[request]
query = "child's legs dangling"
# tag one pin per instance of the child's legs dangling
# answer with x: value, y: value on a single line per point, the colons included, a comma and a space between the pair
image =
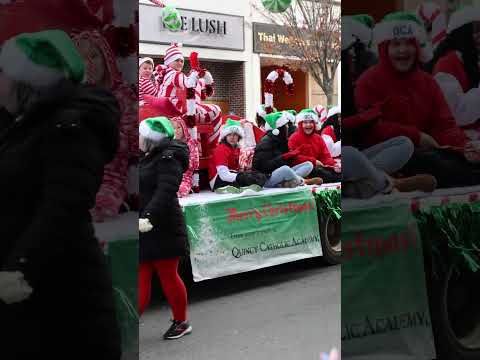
x: 173, y: 287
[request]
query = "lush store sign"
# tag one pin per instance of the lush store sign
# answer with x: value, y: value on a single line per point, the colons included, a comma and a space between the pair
x: 199, y: 29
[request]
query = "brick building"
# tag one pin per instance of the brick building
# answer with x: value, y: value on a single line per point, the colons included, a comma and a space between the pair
x: 222, y: 32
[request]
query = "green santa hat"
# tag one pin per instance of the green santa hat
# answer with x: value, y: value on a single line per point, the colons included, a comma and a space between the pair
x: 42, y: 58
x: 357, y: 28
x: 403, y: 25
x: 231, y: 127
x: 307, y: 114
x: 156, y: 128
x: 261, y: 111
x: 462, y: 16
x: 276, y: 120
x: 362, y: 28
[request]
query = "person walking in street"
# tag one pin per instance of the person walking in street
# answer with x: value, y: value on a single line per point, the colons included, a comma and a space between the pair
x: 163, y: 234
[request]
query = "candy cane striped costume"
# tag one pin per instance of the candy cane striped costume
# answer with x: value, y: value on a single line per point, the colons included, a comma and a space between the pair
x: 147, y: 87
x: 174, y: 87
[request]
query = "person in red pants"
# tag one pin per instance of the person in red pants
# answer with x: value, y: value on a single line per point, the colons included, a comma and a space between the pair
x: 163, y: 235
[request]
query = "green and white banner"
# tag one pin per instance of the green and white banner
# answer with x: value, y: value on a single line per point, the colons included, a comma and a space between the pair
x: 385, y: 312
x: 230, y: 237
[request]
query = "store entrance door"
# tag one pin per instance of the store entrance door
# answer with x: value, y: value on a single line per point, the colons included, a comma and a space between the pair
x: 283, y: 101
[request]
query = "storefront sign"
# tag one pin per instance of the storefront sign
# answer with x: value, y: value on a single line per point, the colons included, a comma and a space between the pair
x: 271, y: 39
x: 230, y: 237
x: 199, y: 29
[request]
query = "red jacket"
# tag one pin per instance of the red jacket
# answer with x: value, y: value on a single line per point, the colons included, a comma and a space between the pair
x: 223, y: 155
x: 312, y: 146
x: 411, y: 103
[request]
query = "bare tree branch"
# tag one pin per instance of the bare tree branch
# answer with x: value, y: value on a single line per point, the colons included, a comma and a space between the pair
x: 314, y: 27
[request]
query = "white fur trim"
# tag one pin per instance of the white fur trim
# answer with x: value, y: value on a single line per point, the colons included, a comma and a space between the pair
x: 191, y: 105
x: 268, y: 100
x: 290, y: 116
x: 307, y: 116
x: 465, y: 107
x: 17, y: 66
x: 227, y: 130
x: 334, y: 111
x: 208, y: 78
x: 360, y: 31
x: 142, y: 61
x: 287, y: 78
x: 464, y: 16
x: 261, y: 111
x: 273, y: 76
x: 399, y: 29
x: 280, y: 122
x: 150, y: 134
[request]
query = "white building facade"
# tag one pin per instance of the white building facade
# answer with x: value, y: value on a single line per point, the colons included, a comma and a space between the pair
x: 225, y: 35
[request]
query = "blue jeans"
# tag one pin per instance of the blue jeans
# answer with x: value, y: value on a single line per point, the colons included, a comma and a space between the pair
x: 391, y: 155
x: 287, y: 173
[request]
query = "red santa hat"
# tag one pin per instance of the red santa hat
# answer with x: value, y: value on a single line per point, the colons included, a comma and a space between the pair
x: 173, y: 53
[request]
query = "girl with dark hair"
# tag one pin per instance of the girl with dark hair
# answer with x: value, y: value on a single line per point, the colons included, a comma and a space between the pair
x: 366, y: 173
x: 224, y: 168
x: 457, y: 71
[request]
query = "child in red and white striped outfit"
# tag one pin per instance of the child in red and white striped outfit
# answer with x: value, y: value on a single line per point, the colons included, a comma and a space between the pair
x: 176, y: 84
x: 147, y: 83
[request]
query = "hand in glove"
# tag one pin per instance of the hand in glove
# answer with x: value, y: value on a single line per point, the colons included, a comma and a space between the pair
x: 291, y: 154
x: 144, y: 225
x: 13, y: 287
x: 208, y: 78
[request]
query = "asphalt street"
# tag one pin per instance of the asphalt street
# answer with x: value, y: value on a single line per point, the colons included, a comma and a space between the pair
x: 286, y: 312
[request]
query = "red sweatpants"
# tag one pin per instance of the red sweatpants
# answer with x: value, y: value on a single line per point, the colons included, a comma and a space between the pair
x: 172, y: 285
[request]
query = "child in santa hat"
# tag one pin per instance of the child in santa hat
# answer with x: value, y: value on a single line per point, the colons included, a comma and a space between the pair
x: 368, y: 172
x: 312, y: 148
x: 456, y: 69
x: 147, y: 83
x: 412, y: 104
x: 283, y: 167
x: 224, y: 168
x: 186, y: 92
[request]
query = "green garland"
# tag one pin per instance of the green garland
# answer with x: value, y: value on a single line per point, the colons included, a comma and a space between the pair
x: 329, y: 203
x: 453, y: 230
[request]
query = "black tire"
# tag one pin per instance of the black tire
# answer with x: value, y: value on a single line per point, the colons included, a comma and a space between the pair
x: 330, y: 233
x: 455, y: 311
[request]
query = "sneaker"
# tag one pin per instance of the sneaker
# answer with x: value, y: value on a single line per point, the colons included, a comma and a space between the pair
x: 177, y: 330
x: 425, y: 183
x: 229, y: 189
x: 253, y: 187
x: 290, y: 183
x: 314, y: 181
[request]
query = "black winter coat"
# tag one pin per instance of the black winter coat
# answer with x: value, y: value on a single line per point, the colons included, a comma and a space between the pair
x: 161, y: 173
x: 268, y: 153
x: 51, y: 162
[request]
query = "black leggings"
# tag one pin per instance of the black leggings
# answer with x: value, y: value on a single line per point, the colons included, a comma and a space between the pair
x: 451, y: 169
